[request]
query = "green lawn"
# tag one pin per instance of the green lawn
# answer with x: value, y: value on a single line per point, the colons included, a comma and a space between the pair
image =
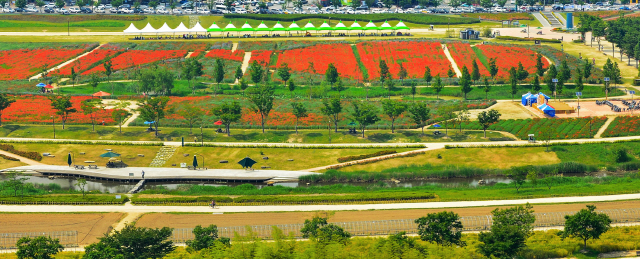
x: 83, y: 132
x: 181, y: 88
x: 503, y: 92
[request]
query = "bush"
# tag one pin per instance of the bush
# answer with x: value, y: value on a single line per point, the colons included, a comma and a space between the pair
x: 9, y: 158
x: 359, y: 157
x: 64, y: 199
x: 412, y: 18
x: 28, y: 154
x: 527, y: 39
x: 621, y: 156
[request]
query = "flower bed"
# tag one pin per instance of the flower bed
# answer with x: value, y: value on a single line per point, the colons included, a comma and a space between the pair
x: 263, y: 57
x: 508, y: 57
x: 359, y: 157
x: 90, y: 60
x: 572, y: 128
x: 237, y: 55
x: 499, y: 16
x: 133, y: 58
x: 23, y: 63
x: 341, y: 55
x: 414, y: 55
x: 37, y: 109
x: 464, y: 56
x: 623, y: 126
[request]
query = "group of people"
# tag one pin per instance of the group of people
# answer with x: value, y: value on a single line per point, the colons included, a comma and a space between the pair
x: 275, y: 35
x: 184, y: 37
x: 630, y: 106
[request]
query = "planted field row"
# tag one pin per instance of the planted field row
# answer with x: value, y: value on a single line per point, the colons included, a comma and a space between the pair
x: 571, y: 128
x: 623, y: 126
x: 91, y: 199
x: 23, y: 63
x: 37, y: 109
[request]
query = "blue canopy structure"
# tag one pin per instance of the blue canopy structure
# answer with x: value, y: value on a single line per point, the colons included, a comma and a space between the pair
x: 41, y: 85
x: 545, y: 96
x: 149, y: 122
x: 525, y: 98
x: 548, y: 110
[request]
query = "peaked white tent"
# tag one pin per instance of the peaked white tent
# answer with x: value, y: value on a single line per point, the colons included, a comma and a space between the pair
x: 247, y: 27
x: 386, y: 26
x: 401, y: 26
x: 263, y: 27
x: 310, y: 27
x: 278, y: 27
x: 230, y: 27
x: 197, y: 28
x: 164, y: 29
x: 148, y: 29
x: 131, y: 29
x: 214, y: 27
x: 181, y: 28
x: 340, y: 26
x: 355, y: 26
x: 370, y: 26
x: 293, y: 27
x: 325, y: 27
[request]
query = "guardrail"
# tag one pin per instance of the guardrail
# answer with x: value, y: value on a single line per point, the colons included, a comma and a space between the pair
x: 66, y: 238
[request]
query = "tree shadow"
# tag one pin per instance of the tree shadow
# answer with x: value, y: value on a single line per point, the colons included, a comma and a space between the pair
x: 245, y: 137
x: 380, y: 137
x: 314, y: 135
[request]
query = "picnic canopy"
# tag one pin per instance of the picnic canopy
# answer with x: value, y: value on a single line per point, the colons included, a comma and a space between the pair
x: 131, y: 29
x: 214, y: 27
x: 340, y: 27
x: 386, y: 26
x: 401, y: 26
x: 48, y: 86
x: 354, y: 26
x: 325, y: 27
x: 246, y: 27
x: 110, y: 154
x: 41, y: 85
x: 547, y: 109
x: 293, y: 27
x: 278, y: 27
x: 101, y: 93
x: 230, y: 27
x: 197, y: 28
x: 148, y: 29
x: 181, y: 28
x: 164, y: 28
x: 247, y: 162
x: 370, y: 26
x: 263, y: 27
x: 309, y: 27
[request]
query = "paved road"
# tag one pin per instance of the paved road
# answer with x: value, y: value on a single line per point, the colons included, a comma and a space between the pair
x: 233, y: 209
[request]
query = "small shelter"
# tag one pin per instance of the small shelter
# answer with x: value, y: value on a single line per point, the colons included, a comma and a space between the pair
x: 293, y: 27
x: 101, y: 94
x: 131, y: 29
x: 214, y: 28
x: 469, y: 34
x: 164, y: 29
x: 325, y: 27
x: 278, y: 27
x: 340, y: 27
x: 247, y: 162
x: 547, y: 109
x: 198, y: 28
x: 309, y: 27
x: 355, y: 26
x: 230, y: 27
x: 181, y: 28
x: 148, y: 29
x: 247, y: 27
x: 110, y: 154
x: 386, y: 26
x: 263, y: 27
x: 401, y: 26
x: 370, y: 26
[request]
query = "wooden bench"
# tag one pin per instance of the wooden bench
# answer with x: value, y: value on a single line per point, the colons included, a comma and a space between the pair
x: 265, y: 167
x: 191, y: 168
x: 223, y: 161
x: 93, y: 166
x: 80, y: 167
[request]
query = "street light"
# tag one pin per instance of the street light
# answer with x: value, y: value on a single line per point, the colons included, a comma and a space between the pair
x: 196, y: 154
x: 201, y: 137
x: 555, y: 88
x: 606, y: 88
x: 53, y: 120
x: 578, y: 94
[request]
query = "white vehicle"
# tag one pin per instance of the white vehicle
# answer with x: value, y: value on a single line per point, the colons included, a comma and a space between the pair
x: 189, y: 11
x: 239, y: 10
x: 8, y: 10
x: 202, y: 10
x: 362, y: 12
x: 125, y: 10
x: 108, y: 6
x: 31, y: 10
x: 100, y: 10
x: 113, y: 10
x: 149, y: 10
x: 162, y: 11
x: 50, y: 5
x: 176, y: 11
x: 64, y: 11
x: 74, y: 10
x: 498, y: 9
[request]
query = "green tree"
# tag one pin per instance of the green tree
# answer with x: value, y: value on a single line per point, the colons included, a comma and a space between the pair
x: 487, y: 88
x: 5, y: 102
x: 191, y: 114
x: 420, y: 114
x: 39, y: 3
x: 332, y: 109
x: 256, y: 72
x: 448, y: 115
x: 565, y: 72
x: 384, y: 71
x: 91, y: 107
x: 414, y: 90
x: 21, y: 3
x: 205, y: 238
x: 443, y: 228
x: 437, y: 86
x: 450, y: 73
x: 427, y: 75
x: 63, y: 106
x: 243, y: 85
x: 118, y: 113
x: 393, y: 109
x: 40, y: 247
x: 132, y: 243
x: 331, y: 74
x: 292, y: 86
x: 511, y: 228
x: 486, y: 119
x: 299, y: 111
x: 154, y: 109
x: 284, y: 72
x: 94, y: 81
x: 513, y: 80
x: 156, y: 80
x: 191, y: 69
x: 586, y: 69
x: 262, y: 99
x: 402, y: 73
x: 475, y: 72
x: 108, y: 70
x: 322, y: 232
x: 578, y: 81
x: 521, y: 72
x: 390, y: 87
x: 218, y: 74
x: 365, y: 114
x: 551, y: 74
x: 493, y: 68
x: 536, y: 84
x: 239, y: 73
x: 518, y: 175
x: 81, y: 183
x: 539, y: 65
x: 74, y: 76
x: 228, y: 112
x: 15, y: 181
x: 465, y: 82
x: 586, y: 224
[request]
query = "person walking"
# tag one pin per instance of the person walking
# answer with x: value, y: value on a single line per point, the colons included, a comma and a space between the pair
x: 213, y: 204
x: 142, y: 174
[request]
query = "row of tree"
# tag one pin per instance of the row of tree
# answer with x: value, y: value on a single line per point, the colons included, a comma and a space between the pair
x: 507, y: 237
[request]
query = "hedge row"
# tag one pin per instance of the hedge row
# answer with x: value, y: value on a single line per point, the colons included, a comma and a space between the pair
x: 412, y: 18
x: 527, y: 39
x: 28, y: 154
x: 63, y: 199
x: 291, y: 199
x: 365, y: 156
x: 84, y: 142
x: 9, y: 158
x: 298, y: 146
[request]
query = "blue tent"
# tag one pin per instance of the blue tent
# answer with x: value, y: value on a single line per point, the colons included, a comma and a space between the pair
x: 525, y: 98
x: 548, y: 110
x: 41, y: 85
x: 545, y: 96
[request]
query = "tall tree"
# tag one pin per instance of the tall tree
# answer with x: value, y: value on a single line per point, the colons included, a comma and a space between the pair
x: 578, y: 80
x: 239, y: 73
x: 586, y: 69
x: 393, y: 109
x: 108, y: 71
x: 521, y: 72
x: 465, y: 82
x: 427, y: 75
x: 493, y: 68
x: 536, y: 84
x: 565, y: 71
x: 228, y: 112
x: 486, y: 119
x: 332, y: 109
x: 291, y: 86
x: 284, y: 72
x: 156, y: 80
x: 420, y: 114
x: 205, y: 238
x: 511, y: 227
x: 365, y: 114
x: 384, y: 71
x: 94, y: 81
x: 475, y: 72
x: 74, y: 76
x: 256, y: 72
x: 91, y: 107
x: 539, y: 65
x: 63, y: 106
x: 218, y: 74
x: 414, y: 90
x: 191, y: 69
x: 299, y: 111
x: 154, y: 109
x: 331, y: 74
x: 402, y: 73
x: 437, y: 86
x: 41, y: 247
x: 191, y: 114
x: 486, y: 88
x: 513, y: 80
x: 443, y: 228
x: 450, y: 73
x: 5, y: 102
x: 586, y: 224
x: 262, y: 99
x: 132, y: 243
x: 118, y: 113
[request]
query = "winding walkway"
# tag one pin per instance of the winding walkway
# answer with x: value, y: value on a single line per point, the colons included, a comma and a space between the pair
x: 453, y: 62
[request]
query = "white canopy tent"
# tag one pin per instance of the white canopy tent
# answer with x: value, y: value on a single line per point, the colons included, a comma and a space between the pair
x: 214, y: 27
x: 386, y: 26
x: 131, y: 29
x: 164, y: 29
x: 198, y: 28
x: 148, y: 29
x: 325, y: 27
x: 181, y: 28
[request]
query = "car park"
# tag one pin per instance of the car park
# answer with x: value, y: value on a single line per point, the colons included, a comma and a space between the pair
x: 85, y: 9
x: 74, y: 10
x: 8, y: 10
x: 64, y: 11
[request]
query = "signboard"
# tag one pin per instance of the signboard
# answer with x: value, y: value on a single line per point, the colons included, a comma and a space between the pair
x: 578, y: 93
x: 606, y: 79
x: 537, y: 42
x: 505, y: 22
x: 118, y: 197
x: 632, y: 92
x: 554, y: 80
x: 516, y: 23
x: 130, y: 174
x: 578, y: 107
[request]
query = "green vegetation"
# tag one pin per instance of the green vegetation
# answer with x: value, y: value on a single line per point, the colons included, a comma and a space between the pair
x: 64, y: 199
x: 545, y: 129
x: 412, y: 18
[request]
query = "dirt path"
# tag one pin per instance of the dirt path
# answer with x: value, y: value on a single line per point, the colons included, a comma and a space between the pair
x: 453, y: 62
x: 131, y: 108
x: 22, y: 159
x: 604, y: 126
x: 128, y: 219
x: 234, y: 46
x: 66, y: 63
x: 245, y: 62
x: 365, y: 160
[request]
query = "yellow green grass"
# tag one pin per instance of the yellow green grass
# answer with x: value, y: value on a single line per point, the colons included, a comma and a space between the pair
x: 129, y: 154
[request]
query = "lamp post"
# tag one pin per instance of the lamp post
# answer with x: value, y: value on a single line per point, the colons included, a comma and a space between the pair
x: 634, y: 105
x: 197, y: 154
x: 201, y: 137
x: 606, y: 88
x: 555, y: 88
x: 578, y: 94
x: 53, y: 122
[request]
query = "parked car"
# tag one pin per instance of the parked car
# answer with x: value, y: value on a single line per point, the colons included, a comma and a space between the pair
x: 113, y: 10
x: 64, y: 11
x: 32, y: 10
x: 74, y: 10
x: 162, y: 11
x: 189, y: 11
x: 85, y: 9
x: 100, y: 10
x: 8, y: 10
x: 49, y: 10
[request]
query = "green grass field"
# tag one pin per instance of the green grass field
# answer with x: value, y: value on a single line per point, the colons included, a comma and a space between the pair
x: 129, y: 154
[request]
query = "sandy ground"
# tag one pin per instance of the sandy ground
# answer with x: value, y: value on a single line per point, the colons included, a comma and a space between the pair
x: 508, y: 110
x: 546, y: 33
x: 241, y: 219
x: 90, y: 226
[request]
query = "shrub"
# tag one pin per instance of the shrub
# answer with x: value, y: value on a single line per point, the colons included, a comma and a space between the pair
x: 28, y: 154
x: 359, y: 157
x: 9, y: 158
x: 412, y: 18
x: 528, y: 39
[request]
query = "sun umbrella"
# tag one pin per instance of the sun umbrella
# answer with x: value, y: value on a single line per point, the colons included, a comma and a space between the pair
x: 437, y: 126
x: 101, y: 93
x: 149, y: 122
x: 48, y: 86
x: 69, y: 161
x: 110, y: 154
x: 247, y: 162
x: 40, y: 85
x: 352, y: 124
x: 217, y: 123
x: 195, y: 161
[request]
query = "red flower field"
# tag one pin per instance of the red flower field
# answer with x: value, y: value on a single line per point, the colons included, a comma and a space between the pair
x: 237, y: 55
x: 281, y: 119
x: 340, y: 54
x: 139, y: 57
x: 87, y: 61
x: 37, y: 109
x: 262, y: 56
x: 23, y: 63
x: 507, y: 57
x: 463, y: 55
x: 415, y: 56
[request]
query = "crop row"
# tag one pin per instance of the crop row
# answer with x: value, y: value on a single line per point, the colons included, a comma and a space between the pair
x: 571, y: 128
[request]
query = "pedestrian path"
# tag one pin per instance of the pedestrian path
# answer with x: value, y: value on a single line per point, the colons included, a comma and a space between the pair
x: 553, y: 21
x: 541, y: 19
x: 163, y: 155
x: 604, y: 126
x: 65, y: 63
x: 453, y: 62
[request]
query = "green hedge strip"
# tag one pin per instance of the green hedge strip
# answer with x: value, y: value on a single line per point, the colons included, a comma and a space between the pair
x: 411, y: 18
